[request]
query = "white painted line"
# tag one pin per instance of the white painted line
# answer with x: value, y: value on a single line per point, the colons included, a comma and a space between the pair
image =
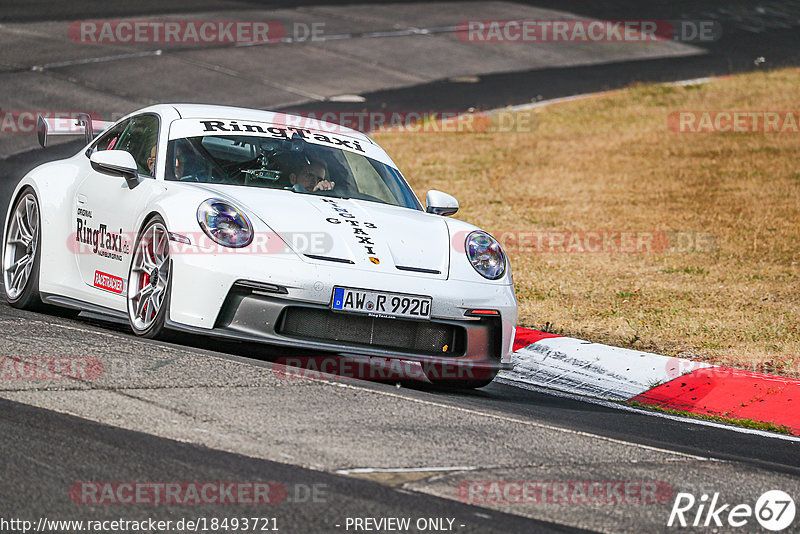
x: 584, y: 96
x: 440, y: 29
x: 561, y: 100
x: 347, y: 98
x: 389, y: 33
x: 545, y: 103
x: 693, y: 81
x: 368, y: 35
x: 286, y: 40
x: 516, y: 420
x: 652, y: 413
x: 368, y: 470
x: 101, y: 59
x: 236, y: 74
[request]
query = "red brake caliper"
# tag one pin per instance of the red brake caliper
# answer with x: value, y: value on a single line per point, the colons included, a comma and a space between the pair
x: 144, y: 279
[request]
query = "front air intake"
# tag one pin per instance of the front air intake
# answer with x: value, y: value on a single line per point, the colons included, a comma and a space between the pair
x: 419, y: 337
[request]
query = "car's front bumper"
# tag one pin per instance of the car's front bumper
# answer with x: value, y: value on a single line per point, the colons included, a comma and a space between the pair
x: 290, y: 307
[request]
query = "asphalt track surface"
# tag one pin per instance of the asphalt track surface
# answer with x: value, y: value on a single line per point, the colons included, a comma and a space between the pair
x: 301, y: 433
x: 193, y: 409
x: 57, y: 450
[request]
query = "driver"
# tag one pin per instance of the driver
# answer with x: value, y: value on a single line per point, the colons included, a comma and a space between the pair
x: 313, y: 176
x: 186, y: 166
x: 180, y: 158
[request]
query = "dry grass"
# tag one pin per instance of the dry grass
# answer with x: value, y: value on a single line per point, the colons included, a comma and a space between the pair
x: 610, y: 163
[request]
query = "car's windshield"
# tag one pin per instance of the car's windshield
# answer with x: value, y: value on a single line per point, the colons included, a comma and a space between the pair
x: 291, y: 164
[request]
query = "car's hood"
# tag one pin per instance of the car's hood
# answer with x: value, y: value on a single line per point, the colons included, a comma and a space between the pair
x: 365, y: 235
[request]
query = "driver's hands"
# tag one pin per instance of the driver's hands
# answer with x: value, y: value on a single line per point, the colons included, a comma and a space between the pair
x: 324, y: 185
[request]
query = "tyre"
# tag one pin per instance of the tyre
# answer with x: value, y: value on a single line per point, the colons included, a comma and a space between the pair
x: 149, y: 281
x: 449, y: 376
x: 22, y: 253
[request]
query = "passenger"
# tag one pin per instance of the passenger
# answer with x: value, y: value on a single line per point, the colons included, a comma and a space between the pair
x: 151, y: 162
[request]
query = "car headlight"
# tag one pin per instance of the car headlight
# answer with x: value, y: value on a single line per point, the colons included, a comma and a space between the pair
x: 224, y: 223
x: 485, y: 255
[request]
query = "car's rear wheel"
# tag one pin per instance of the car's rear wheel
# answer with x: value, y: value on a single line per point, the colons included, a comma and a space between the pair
x: 149, y: 280
x: 22, y: 254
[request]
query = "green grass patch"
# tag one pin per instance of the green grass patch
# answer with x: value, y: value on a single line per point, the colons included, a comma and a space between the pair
x: 746, y: 423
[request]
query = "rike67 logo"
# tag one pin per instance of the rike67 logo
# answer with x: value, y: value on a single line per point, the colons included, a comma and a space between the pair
x: 774, y: 510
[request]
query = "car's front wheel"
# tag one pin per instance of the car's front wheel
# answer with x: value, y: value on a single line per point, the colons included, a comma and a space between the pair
x: 449, y: 376
x: 149, y: 280
x: 22, y: 254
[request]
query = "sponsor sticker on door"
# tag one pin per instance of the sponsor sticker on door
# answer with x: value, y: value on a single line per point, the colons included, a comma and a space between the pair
x: 108, y: 282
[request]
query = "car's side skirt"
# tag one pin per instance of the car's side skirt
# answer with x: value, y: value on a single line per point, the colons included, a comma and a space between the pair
x: 75, y: 304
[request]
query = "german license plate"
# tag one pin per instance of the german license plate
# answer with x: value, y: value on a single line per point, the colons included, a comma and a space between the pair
x: 381, y: 303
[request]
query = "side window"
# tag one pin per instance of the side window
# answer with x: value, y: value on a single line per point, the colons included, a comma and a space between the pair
x: 140, y: 139
x: 109, y: 139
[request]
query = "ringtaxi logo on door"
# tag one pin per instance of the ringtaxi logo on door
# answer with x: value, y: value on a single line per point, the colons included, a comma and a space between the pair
x: 774, y: 510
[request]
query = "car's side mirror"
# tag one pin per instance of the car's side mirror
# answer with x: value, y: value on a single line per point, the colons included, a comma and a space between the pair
x: 116, y: 163
x: 440, y: 203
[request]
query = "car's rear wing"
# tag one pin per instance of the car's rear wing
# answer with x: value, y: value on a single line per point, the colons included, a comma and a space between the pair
x: 80, y: 124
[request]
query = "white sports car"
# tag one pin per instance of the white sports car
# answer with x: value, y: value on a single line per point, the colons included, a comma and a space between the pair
x: 259, y: 226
